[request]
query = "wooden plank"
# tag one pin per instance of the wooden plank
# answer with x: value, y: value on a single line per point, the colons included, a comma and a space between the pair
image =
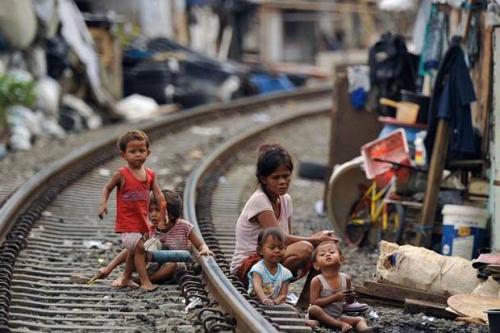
x: 428, y: 308
x: 398, y: 293
x: 486, y: 85
x: 436, y: 167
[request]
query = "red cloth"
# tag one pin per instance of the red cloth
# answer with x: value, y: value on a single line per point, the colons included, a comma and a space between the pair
x: 242, y: 271
x: 132, y: 202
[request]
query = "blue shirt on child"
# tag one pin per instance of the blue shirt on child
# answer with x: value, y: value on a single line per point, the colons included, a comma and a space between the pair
x: 271, y: 284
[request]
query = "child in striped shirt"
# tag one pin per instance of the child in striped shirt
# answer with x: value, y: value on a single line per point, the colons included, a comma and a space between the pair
x: 176, y: 239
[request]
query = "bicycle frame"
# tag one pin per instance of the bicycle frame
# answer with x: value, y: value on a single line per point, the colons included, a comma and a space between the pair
x: 377, y: 205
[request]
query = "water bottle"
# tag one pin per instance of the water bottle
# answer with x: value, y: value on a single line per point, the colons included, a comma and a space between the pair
x: 420, y: 153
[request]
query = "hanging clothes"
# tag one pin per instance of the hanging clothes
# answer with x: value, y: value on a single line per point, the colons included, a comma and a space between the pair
x: 451, y: 98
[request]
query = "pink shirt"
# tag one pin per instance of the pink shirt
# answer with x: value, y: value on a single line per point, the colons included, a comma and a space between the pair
x: 247, y: 231
x: 176, y: 238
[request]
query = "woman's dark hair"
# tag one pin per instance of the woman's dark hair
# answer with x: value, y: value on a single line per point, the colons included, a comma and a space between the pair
x: 271, y: 157
x: 275, y: 233
x: 174, y: 204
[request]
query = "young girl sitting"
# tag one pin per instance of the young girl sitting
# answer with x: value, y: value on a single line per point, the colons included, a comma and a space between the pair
x: 175, y: 241
x: 176, y: 238
x: 331, y: 289
x: 268, y: 279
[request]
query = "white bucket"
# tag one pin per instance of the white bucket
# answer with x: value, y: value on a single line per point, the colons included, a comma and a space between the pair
x: 464, y: 228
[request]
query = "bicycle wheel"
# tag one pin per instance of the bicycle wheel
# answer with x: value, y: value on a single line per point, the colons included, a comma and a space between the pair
x: 358, y: 223
x: 393, y: 231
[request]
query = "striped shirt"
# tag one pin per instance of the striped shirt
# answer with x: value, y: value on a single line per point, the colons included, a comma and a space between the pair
x: 176, y: 238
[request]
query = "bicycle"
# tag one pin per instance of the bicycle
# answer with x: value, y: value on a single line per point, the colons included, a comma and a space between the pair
x: 381, y: 209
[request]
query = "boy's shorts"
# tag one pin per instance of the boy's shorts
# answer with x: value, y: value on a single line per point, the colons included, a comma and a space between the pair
x: 130, y: 240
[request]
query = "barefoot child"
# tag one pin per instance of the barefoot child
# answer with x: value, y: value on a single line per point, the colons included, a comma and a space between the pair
x: 331, y: 289
x: 134, y: 183
x: 268, y: 279
x: 175, y: 238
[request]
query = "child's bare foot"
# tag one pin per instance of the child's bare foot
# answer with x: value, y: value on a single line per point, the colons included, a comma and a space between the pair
x: 149, y: 286
x: 374, y: 329
x: 346, y: 328
x: 311, y: 323
x: 123, y: 283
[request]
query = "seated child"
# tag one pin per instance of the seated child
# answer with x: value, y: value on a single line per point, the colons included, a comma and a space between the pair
x: 331, y: 289
x: 176, y: 238
x: 268, y: 280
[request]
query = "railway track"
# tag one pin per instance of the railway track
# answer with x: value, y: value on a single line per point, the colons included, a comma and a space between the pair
x: 49, y: 230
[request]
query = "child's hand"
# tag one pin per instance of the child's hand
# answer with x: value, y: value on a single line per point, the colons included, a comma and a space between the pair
x: 267, y: 301
x: 280, y: 299
x: 103, y: 210
x: 342, y: 296
x: 205, y: 251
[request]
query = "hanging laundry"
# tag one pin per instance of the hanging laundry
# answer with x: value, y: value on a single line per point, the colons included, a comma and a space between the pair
x: 453, y: 93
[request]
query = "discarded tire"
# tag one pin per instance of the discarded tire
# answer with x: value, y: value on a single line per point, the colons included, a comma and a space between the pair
x: 311, y: 170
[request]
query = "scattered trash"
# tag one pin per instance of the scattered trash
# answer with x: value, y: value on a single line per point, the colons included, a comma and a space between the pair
x: 46, y: 213
x: 163, y: 172
x: 67, y: 242
x: 104, y: 172
x: 431, y: 319
x: 136, y: 107
x: 292, y: 298
x: 193, y: 304
x: 261, y: 118
x: 319, y: 207
x: 101, y: 261
x: 92, y: 244
x: 222, y: 180
x: 196, y: 154
x: 206, y: 131
x: 48, y: 92
x: 373, y: 315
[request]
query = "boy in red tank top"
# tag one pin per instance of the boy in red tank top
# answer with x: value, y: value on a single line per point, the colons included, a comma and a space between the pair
x: 134, y: 183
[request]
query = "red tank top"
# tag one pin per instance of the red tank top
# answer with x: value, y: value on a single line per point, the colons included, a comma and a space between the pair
x: 132, y: 202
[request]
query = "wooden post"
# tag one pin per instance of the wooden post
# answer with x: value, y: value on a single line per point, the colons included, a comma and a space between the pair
x: 485, y: 93
x: 436, y: 167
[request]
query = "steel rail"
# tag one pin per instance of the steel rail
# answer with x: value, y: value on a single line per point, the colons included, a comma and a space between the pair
x: 35, y: 187
x: 27, y: 192
x: 247, y: 317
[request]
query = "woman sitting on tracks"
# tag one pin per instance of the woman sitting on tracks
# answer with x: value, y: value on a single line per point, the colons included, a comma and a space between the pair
x: 271, y: 206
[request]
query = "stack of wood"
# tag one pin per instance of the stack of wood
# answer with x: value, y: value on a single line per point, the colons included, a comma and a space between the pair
x: 412, y: 300
x: 467, y: 307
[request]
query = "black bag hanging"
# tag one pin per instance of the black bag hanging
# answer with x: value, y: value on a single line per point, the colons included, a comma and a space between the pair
x: 392, y: 68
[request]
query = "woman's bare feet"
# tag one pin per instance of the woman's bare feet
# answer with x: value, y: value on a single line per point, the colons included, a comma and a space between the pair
x: 123, y: 283
x: 148, y: 286
x: 373, y: 329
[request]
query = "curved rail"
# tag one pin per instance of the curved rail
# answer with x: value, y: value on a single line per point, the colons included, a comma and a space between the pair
x: 51, y: 180
x: 246, y: 316
x: 28, y: 191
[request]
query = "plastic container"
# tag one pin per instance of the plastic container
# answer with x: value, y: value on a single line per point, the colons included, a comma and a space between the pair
x: 464, y: 229
x: 494, y: 320
x: 392, y: 147
x: 420, y: 152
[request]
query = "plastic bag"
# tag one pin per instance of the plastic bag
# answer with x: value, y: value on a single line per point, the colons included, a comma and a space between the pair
x: 359, y: 84
x: 423, y: 269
